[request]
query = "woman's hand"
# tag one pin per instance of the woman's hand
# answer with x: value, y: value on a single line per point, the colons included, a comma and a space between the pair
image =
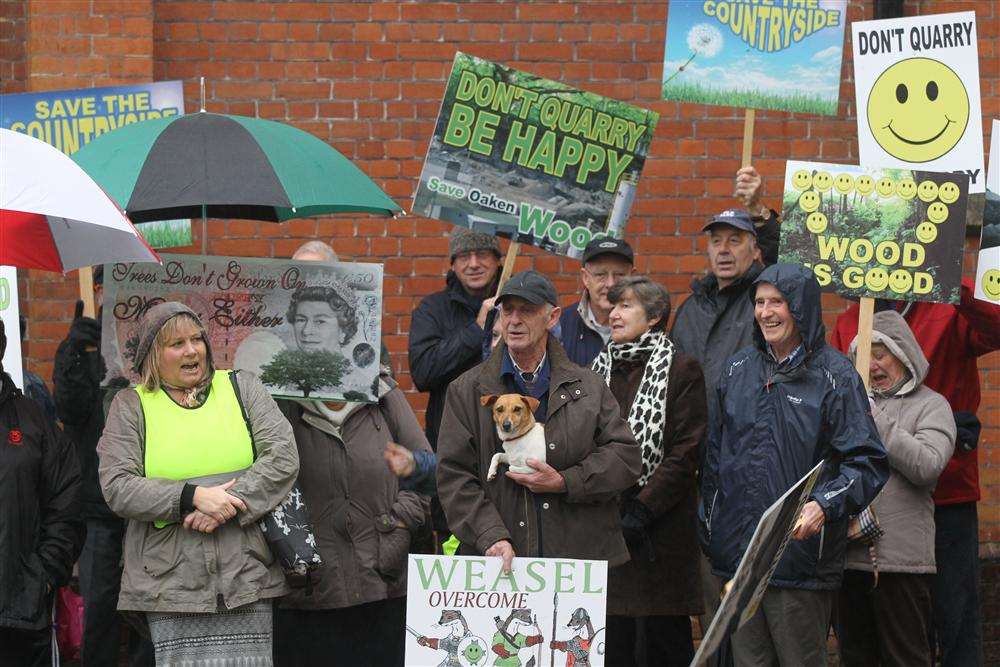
x: 201, y: 522
x: 217, y: 503
x: 399, y: 459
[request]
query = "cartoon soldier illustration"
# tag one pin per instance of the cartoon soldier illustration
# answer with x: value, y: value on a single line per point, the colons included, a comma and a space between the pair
x: 458, y: 630
x: 508, y: 641
x: 577, y: 648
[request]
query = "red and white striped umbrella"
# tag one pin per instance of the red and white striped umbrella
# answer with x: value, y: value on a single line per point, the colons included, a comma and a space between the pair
x: 53, y: 216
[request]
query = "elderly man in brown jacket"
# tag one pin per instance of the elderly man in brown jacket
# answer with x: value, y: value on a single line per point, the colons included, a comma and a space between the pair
x: 568, y: 508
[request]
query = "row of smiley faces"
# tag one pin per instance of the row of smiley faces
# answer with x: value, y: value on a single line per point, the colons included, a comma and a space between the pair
x: 878, y: 279
x: 905, y: 188
x: 926, y: 232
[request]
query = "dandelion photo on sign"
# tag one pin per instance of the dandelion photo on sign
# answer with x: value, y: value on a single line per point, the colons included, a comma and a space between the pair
x: 783, y: 55
x: 882, y: 233
x: 533, y: 160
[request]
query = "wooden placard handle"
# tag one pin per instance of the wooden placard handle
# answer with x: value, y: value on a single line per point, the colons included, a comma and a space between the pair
x: 863, y: 353
x: 86, y: 277
x: 748, y: 119
x: 508, y: 264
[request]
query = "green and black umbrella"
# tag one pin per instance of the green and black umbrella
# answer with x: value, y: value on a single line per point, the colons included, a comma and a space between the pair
x: 220, y: 166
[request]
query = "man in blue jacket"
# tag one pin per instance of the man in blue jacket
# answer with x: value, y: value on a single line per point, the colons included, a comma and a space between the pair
x: 785, y: 403
x: 584, y: 326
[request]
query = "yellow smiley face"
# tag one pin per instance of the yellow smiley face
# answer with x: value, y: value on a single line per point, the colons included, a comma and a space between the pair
x: 900, y: 281
x: 918, y: 110
x: 991, y: 284
x: 802, y: 179
x: 864, y: 184
x: 877, y: 279
x: 927, y: 191
x: 816, y: 222
x: 823, y: 181
x: 937, y: 212
x: 809, y: 201
x: 885, y: 186
x: 926, y: 232
x: 948, y: 192
x: 906, y: 188
x: 844, y: 183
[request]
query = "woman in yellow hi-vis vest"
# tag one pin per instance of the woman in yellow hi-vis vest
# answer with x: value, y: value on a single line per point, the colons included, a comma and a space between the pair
x: 178, y: 462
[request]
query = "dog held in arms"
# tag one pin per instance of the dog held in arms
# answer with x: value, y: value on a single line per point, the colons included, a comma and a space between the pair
x: 523, y: 438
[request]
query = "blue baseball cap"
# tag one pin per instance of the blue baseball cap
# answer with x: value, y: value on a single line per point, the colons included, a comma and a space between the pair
x: 735, y: 218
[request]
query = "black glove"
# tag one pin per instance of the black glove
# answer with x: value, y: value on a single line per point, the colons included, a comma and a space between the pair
x: 968, y: 426
x: 84, y: 332
x: 636, y: 518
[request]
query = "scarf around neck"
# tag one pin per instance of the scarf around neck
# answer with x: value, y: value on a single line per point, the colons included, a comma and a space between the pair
x: 647, y: 414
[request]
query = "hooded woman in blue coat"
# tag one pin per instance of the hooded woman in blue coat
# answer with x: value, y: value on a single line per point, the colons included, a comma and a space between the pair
x: 786, y: 403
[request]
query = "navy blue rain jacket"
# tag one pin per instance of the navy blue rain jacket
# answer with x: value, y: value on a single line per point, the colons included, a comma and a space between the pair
x: 774, y: 426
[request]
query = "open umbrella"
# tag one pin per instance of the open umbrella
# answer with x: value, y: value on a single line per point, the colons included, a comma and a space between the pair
x: 222, y: 166
x: 52, y: 214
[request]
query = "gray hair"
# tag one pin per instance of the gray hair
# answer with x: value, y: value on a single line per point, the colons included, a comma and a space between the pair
x: 653, y: 297
x: 317, y: 248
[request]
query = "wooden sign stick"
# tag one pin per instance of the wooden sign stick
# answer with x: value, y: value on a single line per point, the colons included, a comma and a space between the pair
x: 508, y: 264
x: 86, y: 277
x: 863, y: 353
x: 748, y: 118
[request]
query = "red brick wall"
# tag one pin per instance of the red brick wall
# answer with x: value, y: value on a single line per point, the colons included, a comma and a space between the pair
x: 368, y: 79
x: 12, y: 43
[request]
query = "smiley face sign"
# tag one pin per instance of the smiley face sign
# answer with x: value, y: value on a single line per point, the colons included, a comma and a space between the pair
x: 917, y: 89
x: 884, y: 233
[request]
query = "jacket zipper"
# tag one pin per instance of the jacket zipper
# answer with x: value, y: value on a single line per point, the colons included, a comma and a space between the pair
x: 711, y: 512
x: 822, y: 535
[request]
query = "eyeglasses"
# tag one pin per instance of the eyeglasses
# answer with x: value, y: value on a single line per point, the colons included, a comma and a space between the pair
x: 602, y: 276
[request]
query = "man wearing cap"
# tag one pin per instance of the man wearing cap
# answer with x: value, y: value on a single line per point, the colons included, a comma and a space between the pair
x: 584, y: 326
x: 568, y: 507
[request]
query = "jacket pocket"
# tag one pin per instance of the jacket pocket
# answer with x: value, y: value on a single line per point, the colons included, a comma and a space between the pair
x: 393, y: 547
x: 256, y: 545
x: 31, y: 600
x: 161, y: 549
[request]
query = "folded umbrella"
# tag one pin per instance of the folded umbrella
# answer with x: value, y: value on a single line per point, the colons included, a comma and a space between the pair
x: 53, y: 216
x: 223, y: 166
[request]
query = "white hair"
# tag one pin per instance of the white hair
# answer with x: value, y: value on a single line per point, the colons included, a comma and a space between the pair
x: 316, y: 248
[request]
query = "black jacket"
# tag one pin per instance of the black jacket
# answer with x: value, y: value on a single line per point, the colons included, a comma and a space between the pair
x: 713, y: 325
x: 77, y: 375
x: 40, y: 529
x: 774, y: 425
x: 445, y: 341
x: 582, y: 344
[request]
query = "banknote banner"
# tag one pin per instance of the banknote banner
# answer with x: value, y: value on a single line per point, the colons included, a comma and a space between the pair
x: 988, y: 266
x: 10, y: 314
x: 68, y: 119
x: 463, y: 610
x: 916, y: 82
x: 530, y: 159
x: 307, y: 329
x: 883, y: 233
x: 761, y: 558
x: 781, y: 54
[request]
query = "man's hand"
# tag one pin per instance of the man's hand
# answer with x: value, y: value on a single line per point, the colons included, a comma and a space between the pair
x: 810, y: 521
x: 748, y: 183
x: 484, y: 311
x: 201, y: 522
x: 546, y: 480
x: 216, y: 502
x: 399, y: 459
x: 504, y: 550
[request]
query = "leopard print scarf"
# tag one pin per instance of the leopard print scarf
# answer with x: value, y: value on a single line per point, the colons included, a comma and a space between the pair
x: 647, y: 416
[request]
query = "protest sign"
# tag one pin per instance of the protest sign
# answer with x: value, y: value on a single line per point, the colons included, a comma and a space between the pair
x: 988, y: 267
x: 68, y: 119
x: 881, y: 233
x: 531, y: 159
x: 9, y: 313
x: 782, y: 55
x: 307, y: 329
x: 916, y: 82
x: 759, y: 562
x: 459, y: 607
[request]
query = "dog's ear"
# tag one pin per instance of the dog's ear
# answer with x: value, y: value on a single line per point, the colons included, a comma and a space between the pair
x: 531, y: 402
x: 488, y: 400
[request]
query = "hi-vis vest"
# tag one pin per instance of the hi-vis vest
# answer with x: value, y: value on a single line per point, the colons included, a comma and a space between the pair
x: 184, y: 444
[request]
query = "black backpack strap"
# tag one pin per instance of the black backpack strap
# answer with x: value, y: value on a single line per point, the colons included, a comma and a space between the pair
x: 243, y: 410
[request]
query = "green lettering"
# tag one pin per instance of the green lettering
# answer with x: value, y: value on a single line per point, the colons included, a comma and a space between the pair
x: 519, y: 143
x: 593, y: 161
x: 437, y: 571
x: 635, y: 132
x: 544, y: 155
x: 510, y: 579
x: 459, y: 129
x: 470, y: 575
x: 600, y: 129
x: 616, y: 166
x: 466, y: 86
x: 616, y: 137
x: 560, y: 564
x: 534, y: 220
x: 483, y: 132
x: 569, y: 154
x: 537, y: 576
x: 586, y: 580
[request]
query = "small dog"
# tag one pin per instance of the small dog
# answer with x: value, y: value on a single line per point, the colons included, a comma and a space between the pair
x: 523, y: 438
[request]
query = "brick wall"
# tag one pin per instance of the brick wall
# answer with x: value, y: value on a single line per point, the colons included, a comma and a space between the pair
x: 368, y: 79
